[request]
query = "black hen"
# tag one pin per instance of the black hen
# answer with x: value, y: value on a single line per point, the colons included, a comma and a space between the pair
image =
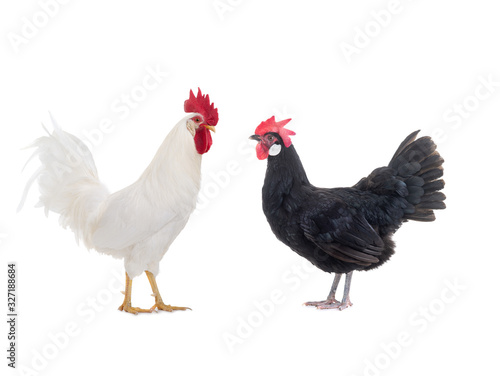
x: 345, y: 229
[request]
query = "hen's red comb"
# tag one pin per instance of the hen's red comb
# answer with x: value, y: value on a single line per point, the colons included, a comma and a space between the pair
x: 201, y: 105
x: 270, y: 125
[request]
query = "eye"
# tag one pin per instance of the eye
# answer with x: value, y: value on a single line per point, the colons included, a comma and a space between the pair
x: 197, y: 120
x: 270, y: 137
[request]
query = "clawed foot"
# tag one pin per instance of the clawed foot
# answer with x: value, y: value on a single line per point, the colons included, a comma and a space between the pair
x: 134, y: 310
x: 321, y: 302
x: 158, y: 306
x: 165, y: 307
x: 338, y: 305
x: 330, y: 304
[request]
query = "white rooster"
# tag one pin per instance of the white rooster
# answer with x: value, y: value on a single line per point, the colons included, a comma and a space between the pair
x: 139, y: 222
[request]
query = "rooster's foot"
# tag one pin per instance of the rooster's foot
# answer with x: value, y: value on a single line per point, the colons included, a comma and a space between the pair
x: 128, y: 308
x: 166, y: 307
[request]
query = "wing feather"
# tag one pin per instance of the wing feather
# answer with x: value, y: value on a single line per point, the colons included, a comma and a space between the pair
x: 343, y: 234
x: 127, y: 219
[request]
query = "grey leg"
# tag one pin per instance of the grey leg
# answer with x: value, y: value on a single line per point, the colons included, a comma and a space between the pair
x: 346, y: 302
x: 335, y: 284
x: 335, y: 304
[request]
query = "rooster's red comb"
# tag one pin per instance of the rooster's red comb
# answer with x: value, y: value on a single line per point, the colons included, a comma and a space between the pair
x: 201, y: 105
x: 270, y: 125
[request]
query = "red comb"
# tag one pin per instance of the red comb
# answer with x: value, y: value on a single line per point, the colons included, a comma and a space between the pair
x: 201, y: 105
x: 270, y: 125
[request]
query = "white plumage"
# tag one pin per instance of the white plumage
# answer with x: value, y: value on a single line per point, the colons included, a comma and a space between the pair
x: 137, y: 223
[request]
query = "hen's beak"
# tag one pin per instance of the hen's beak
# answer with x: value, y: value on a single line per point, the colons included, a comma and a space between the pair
x: 209, y: 127
x: 255, y: 137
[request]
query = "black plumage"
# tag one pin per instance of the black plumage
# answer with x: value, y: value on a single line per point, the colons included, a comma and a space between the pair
x: 340, y: 230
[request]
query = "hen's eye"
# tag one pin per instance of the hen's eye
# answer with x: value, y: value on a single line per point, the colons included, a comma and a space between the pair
x: 197, y: 120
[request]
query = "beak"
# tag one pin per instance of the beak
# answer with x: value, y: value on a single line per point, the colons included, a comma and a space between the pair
x: 255, y: 137
x: 209, y: 127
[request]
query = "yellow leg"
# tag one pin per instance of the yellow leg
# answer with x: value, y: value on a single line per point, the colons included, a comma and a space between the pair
x: 127, y: 302
x: 158, y: 300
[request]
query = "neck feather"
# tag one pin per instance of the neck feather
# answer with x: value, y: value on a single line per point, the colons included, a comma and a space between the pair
x: 174, y: 174
x: 285, y: 176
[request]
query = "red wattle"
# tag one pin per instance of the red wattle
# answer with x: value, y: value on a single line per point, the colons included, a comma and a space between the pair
x: 202, y: 140
x: 262, y: 151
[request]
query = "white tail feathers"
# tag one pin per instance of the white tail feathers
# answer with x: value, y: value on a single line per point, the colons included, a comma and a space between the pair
x: 68, y: 182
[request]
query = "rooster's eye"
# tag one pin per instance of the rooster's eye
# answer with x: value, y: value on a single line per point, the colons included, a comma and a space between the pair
x: 197, y: 120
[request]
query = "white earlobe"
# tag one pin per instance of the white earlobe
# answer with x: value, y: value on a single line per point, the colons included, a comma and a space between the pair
x: 190, y: 127
x: 274, y: 150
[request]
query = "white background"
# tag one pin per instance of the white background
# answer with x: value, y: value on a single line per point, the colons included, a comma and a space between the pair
x: 256, y: 59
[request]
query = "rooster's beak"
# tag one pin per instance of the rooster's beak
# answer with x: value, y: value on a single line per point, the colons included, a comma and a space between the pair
x: 255, y: 137
x: 209, y: 127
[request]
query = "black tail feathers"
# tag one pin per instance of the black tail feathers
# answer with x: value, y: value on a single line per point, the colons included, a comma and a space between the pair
x: 418, y: 164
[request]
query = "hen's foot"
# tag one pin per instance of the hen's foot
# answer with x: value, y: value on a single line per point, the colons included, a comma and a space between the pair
x: 166, y: 307
x: 321, y: 302
x: 335, y: 305
x: 128, y: 308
